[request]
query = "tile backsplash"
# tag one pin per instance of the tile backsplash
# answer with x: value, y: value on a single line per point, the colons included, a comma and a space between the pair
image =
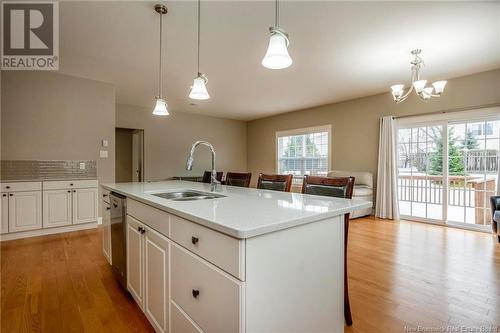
x: 47, y: 169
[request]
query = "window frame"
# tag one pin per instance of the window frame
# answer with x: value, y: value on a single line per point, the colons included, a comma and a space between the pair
x: 303, y: 131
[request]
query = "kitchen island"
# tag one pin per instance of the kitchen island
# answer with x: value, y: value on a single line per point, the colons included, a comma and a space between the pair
x: 246, y: 261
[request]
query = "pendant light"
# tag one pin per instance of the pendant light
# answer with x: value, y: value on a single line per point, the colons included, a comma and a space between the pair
x: 199, y: 88
x: 277, y: 56
x: 160, y: 105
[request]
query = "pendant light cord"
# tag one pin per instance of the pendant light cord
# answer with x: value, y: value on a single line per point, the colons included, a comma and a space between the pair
x: 277, y: 14
x: 199, y: 6
x: 159, y: 75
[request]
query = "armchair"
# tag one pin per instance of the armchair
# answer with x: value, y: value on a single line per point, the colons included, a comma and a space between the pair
x: 495, y: 211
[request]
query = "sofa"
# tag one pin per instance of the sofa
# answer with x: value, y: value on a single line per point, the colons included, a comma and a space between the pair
x: 495, y: 211
x: 363, y: 188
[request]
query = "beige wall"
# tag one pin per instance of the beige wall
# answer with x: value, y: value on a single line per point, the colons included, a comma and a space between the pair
x: 167, y: 141
x: 48, y: 115
x: 355, y: 123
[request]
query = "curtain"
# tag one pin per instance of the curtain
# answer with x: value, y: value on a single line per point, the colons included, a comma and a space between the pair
x: 387, y: 199
x: 498, y: 177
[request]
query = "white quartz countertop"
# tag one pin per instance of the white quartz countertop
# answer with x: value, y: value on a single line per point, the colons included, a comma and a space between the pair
x: 244, y: 212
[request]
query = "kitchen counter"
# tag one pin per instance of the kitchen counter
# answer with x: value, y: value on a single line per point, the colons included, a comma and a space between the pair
x: 244, y: 212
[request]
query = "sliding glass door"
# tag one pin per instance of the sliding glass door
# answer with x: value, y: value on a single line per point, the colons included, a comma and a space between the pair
x: 447, y: 171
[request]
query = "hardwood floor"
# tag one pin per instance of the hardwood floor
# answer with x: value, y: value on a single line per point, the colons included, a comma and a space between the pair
x: 400, y: 274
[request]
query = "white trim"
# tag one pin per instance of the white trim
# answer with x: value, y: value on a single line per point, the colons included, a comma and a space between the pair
x: 48, y: 231
x: 488, y: 113
x: 454, y: 225
x: 302, y: 131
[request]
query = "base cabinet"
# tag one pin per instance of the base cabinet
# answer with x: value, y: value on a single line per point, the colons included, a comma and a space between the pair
x: 4, y: 215
x: 106, y: 231
x: 148, y: 272
x: 57, y: 208
x: 25, y: 211
x: 84, y: 205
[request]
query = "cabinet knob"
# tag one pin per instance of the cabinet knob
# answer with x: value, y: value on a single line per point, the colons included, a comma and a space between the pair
x: 195, y: 240
x: 11, y: 194
x: 196, y: 293
x: 143, y: 230
x: 71, y: 184
x: 74, y: 191
x: 69, y: 191
x: 104, y: 195
x: 139, y: 229
x: 4, y: 195
x: 108, y: 208
x: 7, y: 187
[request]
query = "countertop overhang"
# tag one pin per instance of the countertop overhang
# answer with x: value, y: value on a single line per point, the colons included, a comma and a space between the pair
x: 243, y: 212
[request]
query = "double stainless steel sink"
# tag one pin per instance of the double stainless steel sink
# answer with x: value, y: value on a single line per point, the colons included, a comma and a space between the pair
x: 188, y: 195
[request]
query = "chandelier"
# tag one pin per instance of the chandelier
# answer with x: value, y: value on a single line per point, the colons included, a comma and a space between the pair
x: 425, y: 93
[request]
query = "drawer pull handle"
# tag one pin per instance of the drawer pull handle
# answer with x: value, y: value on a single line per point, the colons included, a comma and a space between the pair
x: 139, y: 229
x: 108, y: 208
x: 71, y: 184
x: 104, y: 195
x: 143, y: 230
x: 7, y: 187
x: 4, y: 195
x: 195, y: 240
x: 196, y: 293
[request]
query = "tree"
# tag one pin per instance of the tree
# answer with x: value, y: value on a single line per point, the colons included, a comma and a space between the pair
x: 455, y: 160
x: 296, y: 146
x: 470, y: 141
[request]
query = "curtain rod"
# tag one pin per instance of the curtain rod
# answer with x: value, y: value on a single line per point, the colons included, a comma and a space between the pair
x: 468, y: 108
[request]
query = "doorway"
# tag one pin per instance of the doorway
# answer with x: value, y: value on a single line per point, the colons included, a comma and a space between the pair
x: 129, y: 155
x: 447, y: 170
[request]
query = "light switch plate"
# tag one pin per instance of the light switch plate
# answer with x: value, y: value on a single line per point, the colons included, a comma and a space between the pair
x: 82, y: 165
x: 104, y: 143
x: 103, y: 154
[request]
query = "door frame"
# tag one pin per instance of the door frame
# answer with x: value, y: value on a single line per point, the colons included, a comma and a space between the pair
x: 446, y: 119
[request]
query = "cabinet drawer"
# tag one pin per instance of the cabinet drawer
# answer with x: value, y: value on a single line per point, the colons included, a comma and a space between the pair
x: 154, y: 218
x: 64, y: 184
x: 209, y: 296
x: 223, y: 251
x: 180, y: 322
x: 21, y: 186
x: 105, y: 195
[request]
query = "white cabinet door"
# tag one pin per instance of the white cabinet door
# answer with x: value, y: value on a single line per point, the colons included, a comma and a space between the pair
x: 84, y: 205
x: 4, y: 225
x: 156, y: 280
x: 56, y: 208
x: 106, y: 231
x: 135, y: 260
x: 25, y: 211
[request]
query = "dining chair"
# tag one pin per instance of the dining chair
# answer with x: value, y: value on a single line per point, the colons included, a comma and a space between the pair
x: 238, y: 179
x: 340, y: 187
x: 207, y: 176
x: 281, y: 183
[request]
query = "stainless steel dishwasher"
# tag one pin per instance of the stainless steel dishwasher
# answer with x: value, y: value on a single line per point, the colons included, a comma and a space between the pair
x: 118, y: 237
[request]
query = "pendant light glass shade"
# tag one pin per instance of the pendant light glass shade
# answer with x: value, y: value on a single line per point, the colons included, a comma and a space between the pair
x: 277, y: 56
x: 160, y: 107
x: 199, y: 88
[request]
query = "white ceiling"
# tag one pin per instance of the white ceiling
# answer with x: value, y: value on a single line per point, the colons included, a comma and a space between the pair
x: 341, y: 50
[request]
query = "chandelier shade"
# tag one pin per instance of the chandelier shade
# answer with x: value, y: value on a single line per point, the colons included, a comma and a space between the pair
x: 277, y: 56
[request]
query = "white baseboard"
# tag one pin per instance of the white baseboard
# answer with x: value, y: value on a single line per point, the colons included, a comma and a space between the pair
x: 48, y: 231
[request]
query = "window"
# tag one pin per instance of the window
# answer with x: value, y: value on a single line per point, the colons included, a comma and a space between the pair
x: 304, y: 151
x: 482, y: 129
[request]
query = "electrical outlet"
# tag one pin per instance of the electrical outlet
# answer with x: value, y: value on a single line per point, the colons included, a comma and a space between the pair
x: 103, y: 154
x: 82, y: 165
x: 104, y: 143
